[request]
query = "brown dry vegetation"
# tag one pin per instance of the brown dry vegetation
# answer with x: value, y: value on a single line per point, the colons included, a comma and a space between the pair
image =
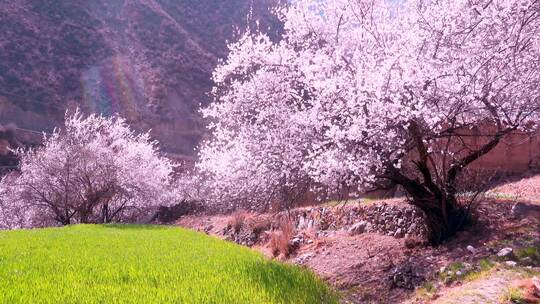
x: 280, y: 239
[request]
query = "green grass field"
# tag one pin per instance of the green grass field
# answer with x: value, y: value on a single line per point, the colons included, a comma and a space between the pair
x: 144, y: 264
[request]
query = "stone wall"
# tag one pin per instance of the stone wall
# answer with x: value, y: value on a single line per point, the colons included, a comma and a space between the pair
x: 388, y: 218
x: 392, y: 218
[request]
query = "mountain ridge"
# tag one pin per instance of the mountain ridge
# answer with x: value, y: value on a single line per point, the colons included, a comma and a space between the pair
x: 148, y: 60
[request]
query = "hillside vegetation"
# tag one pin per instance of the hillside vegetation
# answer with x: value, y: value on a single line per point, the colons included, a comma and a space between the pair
x: 144, y: 264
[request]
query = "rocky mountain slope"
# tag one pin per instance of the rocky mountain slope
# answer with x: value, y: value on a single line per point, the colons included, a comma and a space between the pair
x: 149, y: 60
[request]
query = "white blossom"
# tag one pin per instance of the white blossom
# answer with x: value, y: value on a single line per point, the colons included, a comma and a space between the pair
x: 95, y: 169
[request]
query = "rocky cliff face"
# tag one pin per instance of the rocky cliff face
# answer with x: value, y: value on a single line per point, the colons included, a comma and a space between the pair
x: 148, y: 60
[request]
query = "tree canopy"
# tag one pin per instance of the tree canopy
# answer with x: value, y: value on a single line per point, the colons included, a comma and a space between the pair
x: 355, y: 87
x: 94, y: 169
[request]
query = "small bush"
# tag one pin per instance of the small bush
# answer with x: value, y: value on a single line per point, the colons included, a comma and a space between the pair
x: 513, y: 295
x: 465, y: 272
x: 426, y: 292
x: 484, y: 267
x: 485, y: 264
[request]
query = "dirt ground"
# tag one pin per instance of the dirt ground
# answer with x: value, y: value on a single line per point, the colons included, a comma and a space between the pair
x: 361, y: 265
x: 373, y: 268
x: 525, y: 188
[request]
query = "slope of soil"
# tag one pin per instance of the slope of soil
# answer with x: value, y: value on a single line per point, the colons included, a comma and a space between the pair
x: 522, y: 188
x: 149, y: 60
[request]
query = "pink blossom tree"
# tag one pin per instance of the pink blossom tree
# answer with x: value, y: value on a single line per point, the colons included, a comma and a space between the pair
x: 94, y: 170
x: 360, y: 92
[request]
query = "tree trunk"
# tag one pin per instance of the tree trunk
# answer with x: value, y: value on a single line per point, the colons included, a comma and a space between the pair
x: 444, y: 217
x: 61, y: 216
x: 105, y: 214
x: 437, y: 197
x: 84, y: 218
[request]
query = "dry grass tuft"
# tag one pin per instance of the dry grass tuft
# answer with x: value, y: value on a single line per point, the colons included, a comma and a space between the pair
x: 279, y: 242
x: 237, y: 221
x: 260, y: 224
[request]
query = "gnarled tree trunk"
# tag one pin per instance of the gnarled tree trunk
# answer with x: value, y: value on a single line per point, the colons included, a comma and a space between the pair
x: 437, y: 197
x: 444, y: 215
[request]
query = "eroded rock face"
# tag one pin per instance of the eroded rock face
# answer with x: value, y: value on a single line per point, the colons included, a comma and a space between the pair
x: 149, y: 60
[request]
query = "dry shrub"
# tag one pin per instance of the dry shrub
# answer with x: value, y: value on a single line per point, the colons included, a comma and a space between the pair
x: 316, y: 242
x: 259, y: 224
x: 237, y: 221
x: 280, y: 239
x: 247, y: 228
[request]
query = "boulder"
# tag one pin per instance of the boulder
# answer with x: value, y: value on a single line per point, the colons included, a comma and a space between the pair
x: 297, y: 240
x: 471, y: 249
x: 510, y: 263
x: 358, y: 228
x: 505, y: 252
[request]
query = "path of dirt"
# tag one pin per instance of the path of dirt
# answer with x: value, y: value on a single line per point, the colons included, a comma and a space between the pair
x: 488, y: 290
x: 526, y: 187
